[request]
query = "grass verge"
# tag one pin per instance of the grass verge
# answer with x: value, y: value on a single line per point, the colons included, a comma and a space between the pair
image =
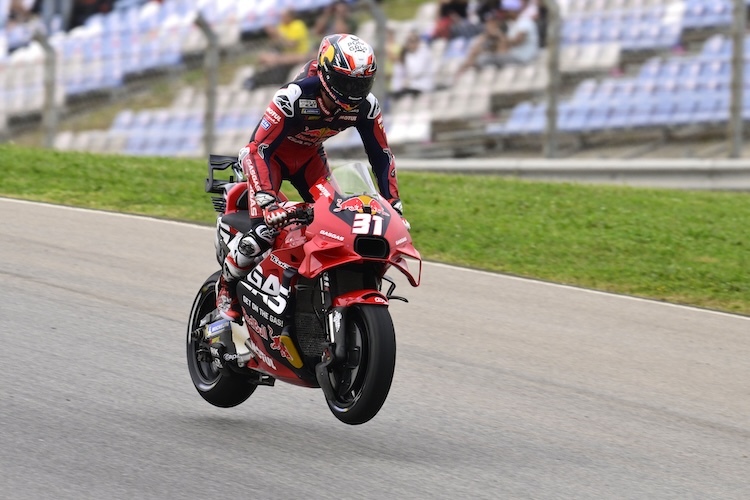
x: 677, y: 246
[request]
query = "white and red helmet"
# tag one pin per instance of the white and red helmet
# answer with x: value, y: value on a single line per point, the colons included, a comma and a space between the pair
x: 346, y: 68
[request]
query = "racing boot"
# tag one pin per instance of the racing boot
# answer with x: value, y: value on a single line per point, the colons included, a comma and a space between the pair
x: 245, y: 252
x: 226, y: 299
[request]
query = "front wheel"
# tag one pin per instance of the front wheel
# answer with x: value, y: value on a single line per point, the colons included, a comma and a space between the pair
x: 219, y: 388
x: 361, y: 382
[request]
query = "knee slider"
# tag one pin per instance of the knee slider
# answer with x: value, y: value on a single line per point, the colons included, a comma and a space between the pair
x: 256, y: 241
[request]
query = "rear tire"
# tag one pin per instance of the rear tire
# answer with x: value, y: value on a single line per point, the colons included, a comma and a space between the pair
x: 361, y: 384
x: 219, y: 388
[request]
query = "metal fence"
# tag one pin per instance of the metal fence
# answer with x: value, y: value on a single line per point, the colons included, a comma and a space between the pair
x: 55, y: 86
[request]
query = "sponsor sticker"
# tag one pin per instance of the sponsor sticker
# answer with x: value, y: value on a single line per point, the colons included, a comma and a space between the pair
x: 310, y: 111
x: 284, y: 104
x: 272, y: 116
x: 333, y: 236
x: 308, y: 103
x: 264, y: 123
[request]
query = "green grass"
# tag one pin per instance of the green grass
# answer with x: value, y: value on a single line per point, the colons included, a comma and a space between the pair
x: 402, y: 9
x: 677, y: 246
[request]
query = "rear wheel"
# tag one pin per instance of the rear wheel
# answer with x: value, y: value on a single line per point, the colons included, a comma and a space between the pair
x: 362, y: 382
x: 220, y: 388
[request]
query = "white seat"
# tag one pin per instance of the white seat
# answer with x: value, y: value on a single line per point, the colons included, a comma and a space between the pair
x: 63, y: 140
x: 505, y: 79
x: 241, y: 75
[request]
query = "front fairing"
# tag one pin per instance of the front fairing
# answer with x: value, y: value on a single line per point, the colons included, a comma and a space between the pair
x: 353, y: 223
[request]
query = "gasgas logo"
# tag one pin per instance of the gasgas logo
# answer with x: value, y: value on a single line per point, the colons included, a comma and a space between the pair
x: 359, y: 204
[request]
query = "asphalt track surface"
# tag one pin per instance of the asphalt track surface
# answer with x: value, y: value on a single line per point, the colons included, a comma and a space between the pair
x: 504, y: 388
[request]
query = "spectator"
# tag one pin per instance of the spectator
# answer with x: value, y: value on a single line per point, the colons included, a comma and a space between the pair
x: 290, y: 38
x: 454, y: 20
x: 413, y: 73
x: 83, y: 9
x: 20, y: 11
x: 486, y: 8
x: 392, y: 54
x: 336, y: 18
x: 520, y: 45
x: 291, y: 42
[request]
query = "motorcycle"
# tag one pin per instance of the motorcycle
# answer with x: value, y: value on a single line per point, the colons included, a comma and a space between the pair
x: 314, y: 313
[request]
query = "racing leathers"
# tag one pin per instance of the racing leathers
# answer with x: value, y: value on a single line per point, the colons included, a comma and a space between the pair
x: 287, y: 144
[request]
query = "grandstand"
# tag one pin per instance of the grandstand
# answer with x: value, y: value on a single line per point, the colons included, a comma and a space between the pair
x: 631, y: 68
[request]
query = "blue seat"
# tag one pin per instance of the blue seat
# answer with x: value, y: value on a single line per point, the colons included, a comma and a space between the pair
x: 457, y: 48
x: 135, y: 144
x: 585, y: 90
x: 123, y: 120
x: 714, y: 46
x: 571, y: 117
x: 620, y: 116
x: 670, y: 35
x: 663, y: 111
x: 685, y: 107
x: 598, y: 117
x: 651, y: 69
x: 707, y: 109
x: 641, y: 114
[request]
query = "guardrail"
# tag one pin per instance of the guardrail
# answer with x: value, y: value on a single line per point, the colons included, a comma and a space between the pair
x: 709, y: 174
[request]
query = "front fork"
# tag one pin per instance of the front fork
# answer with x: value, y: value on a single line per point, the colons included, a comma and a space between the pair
x: 337, y: 350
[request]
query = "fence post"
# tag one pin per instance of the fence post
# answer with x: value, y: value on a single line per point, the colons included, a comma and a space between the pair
x: 211, y: 67
x: 50, y: 111
x: 381, y: 23
x: 735, y: 131
x: 553, y: 69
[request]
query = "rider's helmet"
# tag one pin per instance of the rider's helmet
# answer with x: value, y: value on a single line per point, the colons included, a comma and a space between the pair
x: 346, y: 68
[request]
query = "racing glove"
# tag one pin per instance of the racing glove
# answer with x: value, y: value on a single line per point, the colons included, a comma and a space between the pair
x: 398, y: 206
x: 273, y: 215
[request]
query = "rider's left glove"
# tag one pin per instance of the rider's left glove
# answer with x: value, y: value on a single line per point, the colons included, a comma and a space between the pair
x: 398, y: 206
x: 273, y: 215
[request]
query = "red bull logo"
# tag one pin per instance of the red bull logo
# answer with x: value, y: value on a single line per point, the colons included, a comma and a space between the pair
x: 259, y: 329
x: 359, y: 204
x: 285, y: 346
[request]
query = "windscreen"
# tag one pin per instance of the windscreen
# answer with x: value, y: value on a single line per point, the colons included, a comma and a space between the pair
x: 353, y: 179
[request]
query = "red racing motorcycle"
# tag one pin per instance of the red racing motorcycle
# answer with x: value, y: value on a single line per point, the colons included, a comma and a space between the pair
x: 314, y: 310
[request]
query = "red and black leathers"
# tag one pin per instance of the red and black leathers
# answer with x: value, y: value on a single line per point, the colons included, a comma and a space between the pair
x: 288, y: 141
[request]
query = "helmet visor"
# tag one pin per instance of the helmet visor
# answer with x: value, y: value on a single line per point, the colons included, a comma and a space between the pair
x: 350, y: 89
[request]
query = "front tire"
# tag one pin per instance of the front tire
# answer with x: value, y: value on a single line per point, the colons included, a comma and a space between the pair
x: 219, y: 388
x: 362, y: 382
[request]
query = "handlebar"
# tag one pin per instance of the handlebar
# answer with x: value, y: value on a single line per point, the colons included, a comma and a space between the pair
x: 300, y: 214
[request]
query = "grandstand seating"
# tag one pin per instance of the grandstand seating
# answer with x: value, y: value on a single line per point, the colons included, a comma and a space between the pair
x: 639, y: 29
x: 136, y: 37
x: 667, y: 92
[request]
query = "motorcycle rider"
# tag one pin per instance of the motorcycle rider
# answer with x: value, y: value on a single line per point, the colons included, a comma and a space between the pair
x: 331, y: 94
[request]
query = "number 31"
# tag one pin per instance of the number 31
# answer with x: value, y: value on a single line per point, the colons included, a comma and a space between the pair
x: 368, y: 224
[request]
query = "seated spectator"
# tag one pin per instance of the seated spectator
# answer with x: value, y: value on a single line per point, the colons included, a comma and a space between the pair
x: 453, y: 20
x: 485, y: 8
x: 413, y: 73
x: 392, y: 55
x: 291, y: 46
x: 83, y: 9
x: 520, y: 45
x: 20, y: 11
x: 336, y: 18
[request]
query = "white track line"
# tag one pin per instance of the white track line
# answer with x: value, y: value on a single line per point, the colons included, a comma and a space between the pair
x: 435, y: 264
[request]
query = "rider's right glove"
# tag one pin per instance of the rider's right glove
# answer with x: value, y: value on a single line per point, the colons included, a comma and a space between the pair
x: 273, y: 215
